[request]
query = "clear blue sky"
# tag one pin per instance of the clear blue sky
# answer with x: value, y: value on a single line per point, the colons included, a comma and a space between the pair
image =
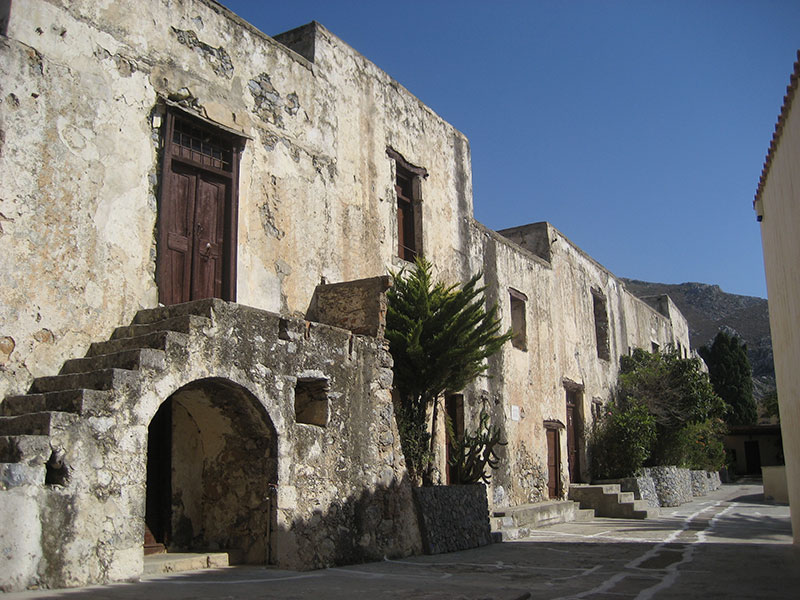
x: 637, y: 128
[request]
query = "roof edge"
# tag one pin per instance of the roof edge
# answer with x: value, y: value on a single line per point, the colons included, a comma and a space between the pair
x: 776, y: 136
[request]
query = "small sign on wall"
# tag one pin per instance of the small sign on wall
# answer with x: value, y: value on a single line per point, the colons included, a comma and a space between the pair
x: 515, y: 412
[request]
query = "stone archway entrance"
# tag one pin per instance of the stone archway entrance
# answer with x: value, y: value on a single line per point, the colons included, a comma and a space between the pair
x: 211, y: 468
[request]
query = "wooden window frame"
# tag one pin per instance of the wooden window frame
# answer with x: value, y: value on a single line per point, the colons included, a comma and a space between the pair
x: 409, y: 206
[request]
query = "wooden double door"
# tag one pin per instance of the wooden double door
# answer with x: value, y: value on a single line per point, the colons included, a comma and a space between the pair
x: 197, y: 213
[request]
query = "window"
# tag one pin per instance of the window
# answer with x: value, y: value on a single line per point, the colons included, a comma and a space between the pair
x: 601, y: 325
x: 407, y: 248
x: 655, y: 347
x: 409, y: 206
x: 311, y: 401
x: 519, y: 327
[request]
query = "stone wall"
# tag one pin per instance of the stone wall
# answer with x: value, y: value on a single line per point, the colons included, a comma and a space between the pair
x: 453, y: 517
x: 359, y: 306
x: 247, y: 473
x: 673, y: 485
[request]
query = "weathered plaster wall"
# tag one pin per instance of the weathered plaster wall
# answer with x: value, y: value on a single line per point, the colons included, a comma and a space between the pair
x: 81, y: 88
x: 527, y: 387
x: 778, y: 203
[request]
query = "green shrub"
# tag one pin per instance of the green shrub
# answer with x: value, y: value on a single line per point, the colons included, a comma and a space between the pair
x: 621, y: 440
x: 703, y: 445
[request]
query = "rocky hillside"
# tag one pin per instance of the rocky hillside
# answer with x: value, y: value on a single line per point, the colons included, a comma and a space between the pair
x: 708, y: 309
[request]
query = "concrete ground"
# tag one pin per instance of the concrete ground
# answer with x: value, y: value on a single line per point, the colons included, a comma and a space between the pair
x: 729, y: 544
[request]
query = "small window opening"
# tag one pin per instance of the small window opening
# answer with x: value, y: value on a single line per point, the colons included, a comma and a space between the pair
x: 311, y: 401
x: 597, y: 409
x: 519, y: 329
x: 283, y: 330
x: 655, y: 347
x: 601, y: 326
x: 56, y: 470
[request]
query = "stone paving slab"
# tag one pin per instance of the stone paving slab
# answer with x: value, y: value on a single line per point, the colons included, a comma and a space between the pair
x: 729, y: 544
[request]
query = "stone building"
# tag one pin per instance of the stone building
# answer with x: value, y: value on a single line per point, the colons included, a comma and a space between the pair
x: 155, y: 154
x: 777, y: 206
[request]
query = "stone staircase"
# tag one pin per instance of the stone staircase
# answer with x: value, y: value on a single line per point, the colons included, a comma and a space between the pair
x: 517, y: 522
x: 31, y: 423
x: 608, y: 501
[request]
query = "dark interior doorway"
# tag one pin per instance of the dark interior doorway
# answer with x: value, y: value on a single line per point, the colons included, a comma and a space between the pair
x: 752, y: 457
x: 211, y: 473
x: 454, y: 407
x: 159, y: 481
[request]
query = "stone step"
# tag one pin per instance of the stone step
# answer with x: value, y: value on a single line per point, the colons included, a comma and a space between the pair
x: 203, y: 308
x: 38, y: 423
x: 79, y: 401
x: 519, y: 520
x: 132, y: 359
x: 32, y: 450
x: 17, y: 474
x: 104, y: 379
x: 175, y: 562
x: 608, y: 501
x: 181, y: 324
x: 159, y: 340
x: 626, y: 497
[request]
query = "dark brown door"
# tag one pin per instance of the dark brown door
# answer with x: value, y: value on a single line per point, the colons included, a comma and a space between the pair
x: 553, y: 464
x: 572, y: 437
x: 195, y: 221
x: 197, y: 214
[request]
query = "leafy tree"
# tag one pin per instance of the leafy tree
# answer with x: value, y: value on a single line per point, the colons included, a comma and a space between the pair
x: 732, y: 377
x: 682, y: 401
x: 439, y: 337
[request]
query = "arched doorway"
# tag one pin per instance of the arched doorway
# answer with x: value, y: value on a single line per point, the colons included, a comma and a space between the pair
x: 211, y: 469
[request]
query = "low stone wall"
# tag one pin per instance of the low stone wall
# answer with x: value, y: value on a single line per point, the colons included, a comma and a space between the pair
x: 700, y: 486
x: 704, y: 482
x: 453, y: 517
x: 775, y: 488
x: 673, y: 485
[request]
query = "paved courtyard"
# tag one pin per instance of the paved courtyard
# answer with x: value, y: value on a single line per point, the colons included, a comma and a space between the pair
x: 729, y: 544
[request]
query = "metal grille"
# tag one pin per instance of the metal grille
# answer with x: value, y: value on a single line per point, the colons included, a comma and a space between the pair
x: 200, y: 145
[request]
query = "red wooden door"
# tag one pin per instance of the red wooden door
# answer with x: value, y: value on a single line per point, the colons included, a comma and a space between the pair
x: 553, y: 464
